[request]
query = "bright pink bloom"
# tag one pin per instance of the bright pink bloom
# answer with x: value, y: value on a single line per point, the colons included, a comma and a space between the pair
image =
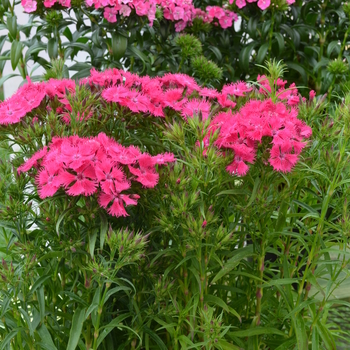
x: 32, y: 161
x: 237, y: 89
x: 29, y: 5
x: 225, y: 22
x: 240, y: 3
x: 110, y: 14
x: 312, y: 95
x: 84, y: 182
x: 48, y: 180
x: 196, y: 107
x: 282, y: 161
x: 111, y: 178
x: 117, y: 208
x: 264, y: 4
x: 178, y: 13
x: 145, y: 173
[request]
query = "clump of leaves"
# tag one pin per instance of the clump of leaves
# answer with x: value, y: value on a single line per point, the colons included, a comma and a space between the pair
x: 205, y: 70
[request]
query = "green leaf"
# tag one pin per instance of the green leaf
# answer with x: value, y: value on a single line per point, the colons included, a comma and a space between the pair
x: 227, y: 346
x: 82, y: 74
x: 12, y: 26
x: 216, y: 52
x: 41, y: 302
x: 257, y: 331
x: 46, y: 337
x: 281, y: 219
x: 280, y: 41
x: 156, y: 338
x: 255, y: 190
x: 212, y: 299
x: 92, y: 242
x: 16, y: 53
x: 234, y: 261
x: 300, y: 331
x: 133, y: 51
x: 76, y: 327
x: 6, y: 77
x: 245, y: 54
x: 326, y: 336
x: 38, y: 283
x: 301, y: 70
x: 103, y: 228
x: 28, y: 321
x: 333, y: 46
x: 52, y: 48
x: 61, y: 217
x: 80, y: 47
x: 119, y: 45
x: 233, y: 191
x: 113, y: 324
x: 6, y: 341
x: 33, y: 49
x: 262, y: 53
x: 115, y: 290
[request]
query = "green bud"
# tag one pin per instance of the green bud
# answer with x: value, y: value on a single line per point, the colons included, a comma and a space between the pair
x: 189, y: 44
x: 337, y: 67
x: 205, y: 70
x: 53, y: 18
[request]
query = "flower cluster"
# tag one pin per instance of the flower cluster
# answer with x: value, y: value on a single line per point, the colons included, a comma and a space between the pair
x: 180, y: 11
x: 85, y: 166
x: 29, y: 96
x: 178, y: 92
x: 241, y: 132
x: 149, y: 96
x: 262, y: 4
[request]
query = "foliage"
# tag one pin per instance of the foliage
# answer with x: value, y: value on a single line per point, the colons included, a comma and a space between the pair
x: 208, y: 258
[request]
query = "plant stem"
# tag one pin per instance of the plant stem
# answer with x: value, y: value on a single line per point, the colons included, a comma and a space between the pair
x: 99, y: 313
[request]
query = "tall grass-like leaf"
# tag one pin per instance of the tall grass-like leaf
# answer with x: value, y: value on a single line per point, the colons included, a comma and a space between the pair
x: 76, y: 327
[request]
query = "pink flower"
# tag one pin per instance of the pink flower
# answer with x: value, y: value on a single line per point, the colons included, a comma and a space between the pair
x: 211, y: 93
x: 111, y: 178
x: 48, y: 180
x: 141, y: 7
x: 225, y: 22
x: 196, y: 107
x: 64, y: 3
x: 215, y: 12
x: 237, y: 89
x: 178, y: 13
x: 117, y: 208
x: 29, y: 5
x: 163, y: 158
x: 282, y: 161
x: 312, y: 95
x: 264, y: 4
x: 240, y: 3
x: 32, y: 161
x: 84, y: 181
x: 125, y: 10
x: 145, y: 173
x: 110, y: 14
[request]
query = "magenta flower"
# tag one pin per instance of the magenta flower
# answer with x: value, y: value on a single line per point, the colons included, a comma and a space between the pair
x: 264, y: 4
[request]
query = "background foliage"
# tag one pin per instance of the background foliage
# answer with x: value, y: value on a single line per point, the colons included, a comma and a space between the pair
x: 206, y: 260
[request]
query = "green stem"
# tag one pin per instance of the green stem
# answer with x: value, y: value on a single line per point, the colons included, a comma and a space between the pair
x: 99, y: 313
x: 323, y: 36
x: 271, y: 30
x: 343, y: 44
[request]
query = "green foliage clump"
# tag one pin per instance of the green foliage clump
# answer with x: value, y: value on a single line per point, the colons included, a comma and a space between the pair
x: 205, y: 70
x: 189, y: 44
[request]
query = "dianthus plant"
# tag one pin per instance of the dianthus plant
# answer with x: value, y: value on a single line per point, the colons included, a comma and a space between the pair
x: 153, y: 213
